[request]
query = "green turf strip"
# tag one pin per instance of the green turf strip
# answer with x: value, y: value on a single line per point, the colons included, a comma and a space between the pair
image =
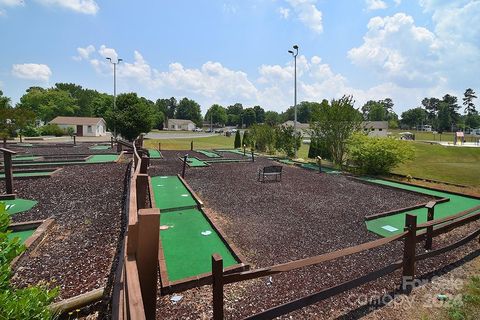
x: 286, y: 161
x: 97, y: 158
x: 209, y: 154
x: 24, y: 144
x: 18, y: 205
x: 22, y: 235
x: 170, y: 193
x: 312, y: 166
x: 100, y: 158
x: 188, y: 252
x: 28, y: 174
x: 26, y: 158
x: 195, y: 162
x: 236, y: 151
x: 154, y: 154
x: 225, y: 160
x: 99, y: 147
x: 456, y: 204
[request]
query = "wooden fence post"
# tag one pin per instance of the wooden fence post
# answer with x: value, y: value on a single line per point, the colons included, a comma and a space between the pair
x: 159, y: 146
x: 184, y: 165
x: 111, y: 143
x: 8, y: 167
x: 253, y: 156
x: 430, y: 216
x: 144, y: 164
x: 74, y: 139
x: 191, y: 145
x: 217, y: 286
x: 142, y: 190
x: 244, y: 153
x: 147, y: 253
x: 409, y: 253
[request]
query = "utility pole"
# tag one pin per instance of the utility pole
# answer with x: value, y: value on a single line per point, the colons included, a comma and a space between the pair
x: 114, y: 92
x: 295, y: 54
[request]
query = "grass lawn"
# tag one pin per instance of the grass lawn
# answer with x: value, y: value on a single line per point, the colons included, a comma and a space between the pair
x: 214, y: 142
x: 447, y: 164
x: 430, y: 136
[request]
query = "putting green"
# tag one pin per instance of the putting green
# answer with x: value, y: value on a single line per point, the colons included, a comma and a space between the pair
x: 24, y: 144
x: 286, y: 161
x: 209, y: 154
x: 195, y: 162
x: 26, y: 158
x: 236, y: 151
x: 312, y: 166
x: 394, y: 224
x: 96, y: 158
x: 100, y: 158
x: 154, y: 154
x: 99, y: 147
x: 226, y: 160
x: 18, y: 205
x: 28, y: 174
x: 170, y: 193
x: 187, y: 251
x: 22, y: 235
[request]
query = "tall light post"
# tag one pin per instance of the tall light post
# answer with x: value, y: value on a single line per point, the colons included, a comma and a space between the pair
x: 115, y: 92
x: 295, y: 54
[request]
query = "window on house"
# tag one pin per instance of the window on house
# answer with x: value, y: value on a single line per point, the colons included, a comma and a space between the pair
x: 89, y: 129
x: 380, y: 129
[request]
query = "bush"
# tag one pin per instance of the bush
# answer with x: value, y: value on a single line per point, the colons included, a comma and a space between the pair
x: 26, y: 303
x: 318, y: 147
x: 263, y: 137
x: 286, y: 141
x: 246, y: 139
x: 51, y: 130
x: 30, y: 131
x: 374, y: 155
x: 237, y: 143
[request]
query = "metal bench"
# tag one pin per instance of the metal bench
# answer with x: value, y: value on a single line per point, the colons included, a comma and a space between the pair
x: 270, y: 171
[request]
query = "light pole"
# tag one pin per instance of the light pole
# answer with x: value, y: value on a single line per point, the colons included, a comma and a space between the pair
x: 115, y: 93
x: 295, y: 54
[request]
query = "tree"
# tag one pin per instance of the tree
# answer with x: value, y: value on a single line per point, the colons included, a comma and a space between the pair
x: 133, y: 116
x: 305, y: 109
x: 234, y: 114
x: 469, y: 95
x: 217, y: 114
x: 246, y: 139
x: 84, y: 97
x: 189, y: 110
x: 272, y: 118
x: 375, y: 155
x: 444, y: 117
x: 22, y: 118
x: 414, y: 117
x: 374, y: 111
x: 248, y: 117
x: 264, y: 137
x: 451, y: 102
x: 259, y: 114
x: 431, y: 106
x: 287, y: 140
x: 334, y: 124
x: 167, y: 106
x: 237, y: 143
x: 6, y: 116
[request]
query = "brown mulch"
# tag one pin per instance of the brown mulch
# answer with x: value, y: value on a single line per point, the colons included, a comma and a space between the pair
x: 304, y: 215
x: 86, y: 203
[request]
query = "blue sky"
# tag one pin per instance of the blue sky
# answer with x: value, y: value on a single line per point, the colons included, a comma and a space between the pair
x: 236, y: 51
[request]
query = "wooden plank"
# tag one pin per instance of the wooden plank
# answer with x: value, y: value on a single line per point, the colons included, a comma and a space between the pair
x: 309, y: 261
x: 455, y: 224
x: 324, y: 294
x: 449, y: 218
x: 408, y: 273
x: 217, y: 286
x: 77, y: 302
x: 134, y: 292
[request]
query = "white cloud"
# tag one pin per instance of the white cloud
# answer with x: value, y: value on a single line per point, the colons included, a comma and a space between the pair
x: 284, y: 12
x: 308, y: 14
x: 12, y: 3
x: 375, y: 4
x: 3, y: 13
x: 108, y: 52
x: 32, y: 71
x: 84, y: 53
x: 81, y: 6
x: 397, y: 2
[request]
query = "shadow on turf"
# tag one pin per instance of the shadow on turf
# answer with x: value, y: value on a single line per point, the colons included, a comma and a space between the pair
x: 425, y: 278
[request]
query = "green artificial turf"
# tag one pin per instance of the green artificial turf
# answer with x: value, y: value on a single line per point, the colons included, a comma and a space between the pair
x: 209, y: 154
x: 99, y: 147
x: 96, y: 158
x: 195, y: 162
x: 28, y: 174
x: 225, y: 160
x: 312, y: 166
x: 456, y: 204
x: 25, y: 158
x: 187, y: 252
x: 286, y: 161
x: 100, y: 158
x: 23, y: 235
x: 236, y: 151
x: 154, y: 154
x: 170, y: 193
x: 18, y: 205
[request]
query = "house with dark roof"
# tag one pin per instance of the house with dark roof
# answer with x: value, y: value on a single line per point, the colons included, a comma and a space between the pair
x: 82, y: 126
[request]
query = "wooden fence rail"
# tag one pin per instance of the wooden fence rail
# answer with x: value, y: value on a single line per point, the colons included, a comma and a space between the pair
x: 410, y: 236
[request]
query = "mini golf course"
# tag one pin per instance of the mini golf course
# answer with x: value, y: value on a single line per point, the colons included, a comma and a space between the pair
x: 154, y: 154
x: 195, y: 162
x: 20, y: 174
x: 394, y: 224
x: 96, y: 158
x: 236, y: 151
x: 100, y: 147
x: 209, y: 154
x: 18, y: 205
x: 25, y: 158
x: 188, y: 238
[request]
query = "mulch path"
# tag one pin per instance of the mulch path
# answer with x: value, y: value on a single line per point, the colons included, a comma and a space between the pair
x: 86, y: 202
x: 305, y: 215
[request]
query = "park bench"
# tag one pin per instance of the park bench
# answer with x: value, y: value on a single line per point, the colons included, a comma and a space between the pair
x: 270, y: 171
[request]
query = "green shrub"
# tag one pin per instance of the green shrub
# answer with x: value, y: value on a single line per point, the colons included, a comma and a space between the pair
x: 51, y: 130
x: 237, y: 143
x: 27, y: 303
x: 263, y: 136
x: 30, y: 131
x: 374, y: 155
x: 318, y: 147
x: 246, y: 139
x: 286, y: 140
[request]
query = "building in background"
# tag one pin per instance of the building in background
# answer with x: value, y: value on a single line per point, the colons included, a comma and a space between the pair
x: 82, y: 126
x: 179, y: 124
x: 375, y: 128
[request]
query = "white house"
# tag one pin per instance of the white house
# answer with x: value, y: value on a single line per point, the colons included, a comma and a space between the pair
x: 179, y: 124
x: 82, y: 126
x: 375, y: 128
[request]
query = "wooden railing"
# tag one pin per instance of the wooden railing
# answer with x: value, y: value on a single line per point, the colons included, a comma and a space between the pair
x: 412, y: 235
x: 137, y: 283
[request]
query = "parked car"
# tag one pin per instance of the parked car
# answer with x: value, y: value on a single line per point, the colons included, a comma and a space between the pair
x: 218, y: 130
x: 198, y: 130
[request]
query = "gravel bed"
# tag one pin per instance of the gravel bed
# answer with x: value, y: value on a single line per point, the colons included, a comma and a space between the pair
x: 86, y: 202
x: 305, y: 215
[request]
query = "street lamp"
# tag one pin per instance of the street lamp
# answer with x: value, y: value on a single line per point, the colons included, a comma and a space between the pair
x: 115, y: 92
x: 295, y: 54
